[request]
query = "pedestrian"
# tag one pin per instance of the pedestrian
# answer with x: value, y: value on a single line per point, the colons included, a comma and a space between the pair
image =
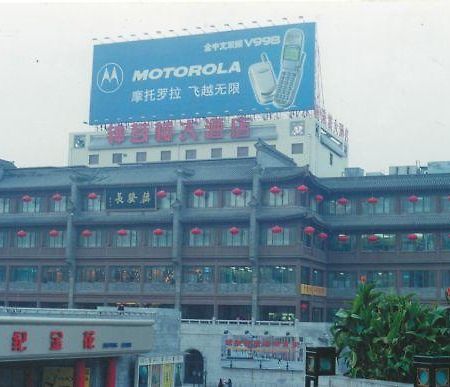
x: 220, y: 383
x: 229, y: 384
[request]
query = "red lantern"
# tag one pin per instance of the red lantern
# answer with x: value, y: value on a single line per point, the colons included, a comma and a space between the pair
x: 158, y: 231
x: 323, y: 235
x: 234, y: 230
x: 161, y: 194
x: 236, y: 191
x: 275, y: 190
x: 196, y: 231
x: 92, y: 195
x: 448, y: 197
x: 372, y: 238
x: 122, y: 232
x: 277, y: 229
x: 372, y: 200
x: 21, y: 234
x: 27, y: 198
x: 53, y: 233
x: 309, y: 230
x: 412, y: 237
x: 304, y: 306
x: 343, y: 238
x: 342, y: 201
x: 362, y: 279
x: 318, y: 198
x: 413, y: 199
x: 302, y: 188
x: 57, y: 197
x: 86, y: 233
x: 199, y: 192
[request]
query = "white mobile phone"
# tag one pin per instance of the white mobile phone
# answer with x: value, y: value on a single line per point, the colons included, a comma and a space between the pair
x: 291, y: 68
x: 262, y: 79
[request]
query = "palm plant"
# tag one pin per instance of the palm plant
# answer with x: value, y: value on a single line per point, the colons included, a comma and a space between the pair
x: 379, y: 334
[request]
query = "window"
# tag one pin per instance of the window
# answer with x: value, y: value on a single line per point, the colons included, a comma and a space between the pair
x: 282, y: 238
x: 235, y: 275
x: 167, y: 201
x: 305, y: 275
x: 159, y: 275
x: 55, y: 274
x: 141, y: 157
x: 27, y: 241
x: 382, y: 279
x: 341, y: 280
x: 95, y: 240
x: 79, y: 141
x: 90, y: 274
x: 93, y: 159
x: 94, y: 205
x: 385, y: 205
x: 191, y: 154
x: 208, y: 200
x: 23, y: 274
x: 57, y: 241
x: 130, y: 239
x: 284, y: 198
x: 200, y: 240
x: 198, y: 274
x: 277, y: 274
x: 317, y: 277
x: 331, y: 158
x: 216, y: 153
x: 5, y: 204
x: 334, y: 208
x: 32, y: 206
x: 166, y: 155
x: 446, y: 279
x: 3, y: 238
x: 239, y: 239
x: 424, y: 242
x: 339, y: 244
x: 297, y: 148
x: 423, y: 204
x: 164, y: 240
x: 418, y: 279
x: 58, y: 205
x: 125, y: 274
x: 117, y: 158
x: 385, y: 242
x: 445, y: 240
x: 232, y: 200
x: 445, y: 203
x: 242, y: 151
x: 2, y: 273
x: 277, y: 313
x: 317, y: 314
x: 331, y: 314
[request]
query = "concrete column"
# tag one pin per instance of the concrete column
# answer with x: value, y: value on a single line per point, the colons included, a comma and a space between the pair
x: 111, y: 372
x: 254, y: 239
x: 177, y: 237
x: 71, y: 242
x: 78, y: 378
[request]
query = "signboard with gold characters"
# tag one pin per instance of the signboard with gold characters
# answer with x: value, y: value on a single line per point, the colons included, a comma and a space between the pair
x: 130, y: 198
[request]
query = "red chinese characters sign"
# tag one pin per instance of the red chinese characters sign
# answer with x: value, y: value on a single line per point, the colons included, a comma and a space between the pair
x: 186, y: 131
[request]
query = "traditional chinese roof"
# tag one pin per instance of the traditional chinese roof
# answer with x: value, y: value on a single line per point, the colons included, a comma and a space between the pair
x: 408, y: 183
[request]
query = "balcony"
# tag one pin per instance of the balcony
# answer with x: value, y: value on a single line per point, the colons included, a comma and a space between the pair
x: 231, y: 288
x: 197, y: 288
x: 124, y: 287
x: 159, y: 287
x: 22, y: 286
x: 90, y: 287
x: 55, y: 287
x: 275, y: 289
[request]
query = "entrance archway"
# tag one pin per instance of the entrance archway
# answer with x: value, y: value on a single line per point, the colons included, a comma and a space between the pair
x: 193, y: 367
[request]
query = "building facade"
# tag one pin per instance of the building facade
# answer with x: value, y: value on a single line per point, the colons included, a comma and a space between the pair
x: 306, y: 139
x: 247, y: 238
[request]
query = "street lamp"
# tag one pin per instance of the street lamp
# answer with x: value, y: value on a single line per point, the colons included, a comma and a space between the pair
x: 319, y: 361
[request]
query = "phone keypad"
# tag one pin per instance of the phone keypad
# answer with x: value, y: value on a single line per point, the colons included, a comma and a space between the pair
x: 285, y: 86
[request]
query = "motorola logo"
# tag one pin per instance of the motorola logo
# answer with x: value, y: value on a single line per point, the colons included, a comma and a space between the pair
x: 109, y: 78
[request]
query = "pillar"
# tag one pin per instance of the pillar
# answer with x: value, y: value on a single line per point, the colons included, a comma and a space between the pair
x: 71, y: 241
x: 78, y: 380
x: 111, y: 372
x: 177, y: 237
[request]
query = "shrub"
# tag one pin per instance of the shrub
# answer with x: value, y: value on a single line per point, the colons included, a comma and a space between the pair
x: 379, y: 334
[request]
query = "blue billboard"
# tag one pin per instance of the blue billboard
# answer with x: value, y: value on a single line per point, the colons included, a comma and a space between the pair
x: 258, y: 70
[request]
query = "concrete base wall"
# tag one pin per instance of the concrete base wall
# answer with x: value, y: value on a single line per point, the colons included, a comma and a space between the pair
x: 342, y: 381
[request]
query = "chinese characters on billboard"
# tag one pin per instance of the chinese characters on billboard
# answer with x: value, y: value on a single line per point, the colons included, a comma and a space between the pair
x: 264, y: 352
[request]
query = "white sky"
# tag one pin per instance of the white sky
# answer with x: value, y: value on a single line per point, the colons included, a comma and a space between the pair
x: 385, y: 69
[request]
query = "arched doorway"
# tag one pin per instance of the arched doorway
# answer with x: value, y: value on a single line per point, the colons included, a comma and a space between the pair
x: 193, y: 367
